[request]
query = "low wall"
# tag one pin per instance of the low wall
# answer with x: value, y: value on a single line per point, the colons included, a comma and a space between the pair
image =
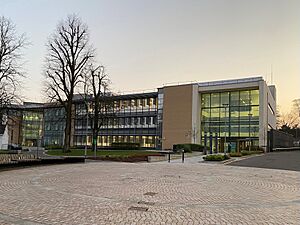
x: 38, y: 162
x: 157, y: 158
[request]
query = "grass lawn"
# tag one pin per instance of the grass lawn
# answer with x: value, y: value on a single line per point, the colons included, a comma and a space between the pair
x: 113, y: 153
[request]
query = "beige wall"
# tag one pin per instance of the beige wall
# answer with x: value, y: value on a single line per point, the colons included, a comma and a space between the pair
x: 14, y: 130
x: 177, y: 114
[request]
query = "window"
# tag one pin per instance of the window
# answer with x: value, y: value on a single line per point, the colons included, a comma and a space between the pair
x: 230, y: 113
x: 121, y: 121
x: 224, y: 98
x: 234, y: 98
x: 205, y: 114
x: 133, y: 104
x: 127, y: 121
x: 135, y: 120
x: 154, y: 120
x: 148, y: 119
x: 244, y: 98
x: 254, y: 97
x: 215, y: 100
x: 205, y: 100
x: 143, y: 120
x: 234, y: 114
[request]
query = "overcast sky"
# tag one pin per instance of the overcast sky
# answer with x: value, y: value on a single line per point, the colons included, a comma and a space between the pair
x: 147, y: 43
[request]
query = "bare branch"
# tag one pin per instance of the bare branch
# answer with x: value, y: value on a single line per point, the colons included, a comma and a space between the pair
x: 11, y: 46
x: 97, y: 86
x: 69, y: 53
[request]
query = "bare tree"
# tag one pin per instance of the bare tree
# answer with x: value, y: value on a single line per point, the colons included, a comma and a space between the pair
x: 11, y: 46
x: 296, y: 107
x: 97, y: 87
x: 69, y: 53
x: 290, y: 120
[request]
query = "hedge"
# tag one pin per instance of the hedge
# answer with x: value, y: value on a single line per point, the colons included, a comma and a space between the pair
x: 125, y: 146
x: 253, y: 148
x: 235, y: 154
x: 251, y: 152
x: 52, y: 147
x: 244, y: 153
x: 188, y: 147
x: 216, y: 157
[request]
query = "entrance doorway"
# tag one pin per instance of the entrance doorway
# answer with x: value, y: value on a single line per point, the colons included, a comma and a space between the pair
x: 30, y: 143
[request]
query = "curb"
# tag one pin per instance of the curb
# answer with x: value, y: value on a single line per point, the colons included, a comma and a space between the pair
x: 236, y: 159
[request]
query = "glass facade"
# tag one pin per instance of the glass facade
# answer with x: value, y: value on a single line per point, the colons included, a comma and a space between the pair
x: 32, y: 127
x: 54, y: 126
x: 160, y: 104
x: 127, y: 119
x: 228, y: 118
x: 230, y: 114
x: 145, y: 141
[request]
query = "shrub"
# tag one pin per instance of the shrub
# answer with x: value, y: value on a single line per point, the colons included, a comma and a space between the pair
x: 125, y: 146
x: 235, y: 154
x: 216, y: 157
x: 188, y: 147
x: 52, y: 147
x: 251, y: 152
x: 253, y: 148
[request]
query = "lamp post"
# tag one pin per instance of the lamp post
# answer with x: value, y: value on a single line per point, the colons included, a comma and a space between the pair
x: 225, y: 105
x: 87, y: 117
x: 86, y: 132
x: 250, y: 115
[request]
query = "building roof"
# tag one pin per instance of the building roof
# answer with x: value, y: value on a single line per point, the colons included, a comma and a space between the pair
x: 123, y: 96
x: 78, y: 98
x: 232, y: 81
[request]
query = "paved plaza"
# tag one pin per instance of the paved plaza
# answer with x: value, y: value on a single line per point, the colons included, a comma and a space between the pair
x: 149, y: 193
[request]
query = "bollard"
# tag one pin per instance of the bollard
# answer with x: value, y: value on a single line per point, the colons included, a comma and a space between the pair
x: 182, y: 156
x: 169, y: 157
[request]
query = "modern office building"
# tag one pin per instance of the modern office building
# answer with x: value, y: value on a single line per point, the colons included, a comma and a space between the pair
x: 131, y: 118
x: 232, y: 113
x: 239, y: 112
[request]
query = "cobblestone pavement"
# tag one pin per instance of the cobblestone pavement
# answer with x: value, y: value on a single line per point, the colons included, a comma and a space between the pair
x: 145, y: 193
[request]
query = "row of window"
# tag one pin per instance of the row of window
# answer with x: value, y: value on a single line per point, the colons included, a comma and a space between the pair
x: 231, y: 114
x: 232, y: 130
x: 53, y: 140
x: 232, y: 98
x: 31, y: 125
x: 33, y: 134
x: 234, y: 114
x: 135, y: 103
x: 54, y: 112
x: 54, y: 126
x: 32, y: 116
x: 119, y: 106
x: 145, y: 141
x: 126, y: 122
x: 121, y: 122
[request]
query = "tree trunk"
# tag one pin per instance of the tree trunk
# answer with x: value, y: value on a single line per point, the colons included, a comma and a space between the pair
x: 67, y: 139
x: 95, y: 125
x: 94, y: 141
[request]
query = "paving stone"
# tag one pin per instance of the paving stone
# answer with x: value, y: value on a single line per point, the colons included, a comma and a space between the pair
x: 102, y: 193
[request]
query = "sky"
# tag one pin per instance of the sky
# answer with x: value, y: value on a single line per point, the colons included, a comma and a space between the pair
x: 147, y: 44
